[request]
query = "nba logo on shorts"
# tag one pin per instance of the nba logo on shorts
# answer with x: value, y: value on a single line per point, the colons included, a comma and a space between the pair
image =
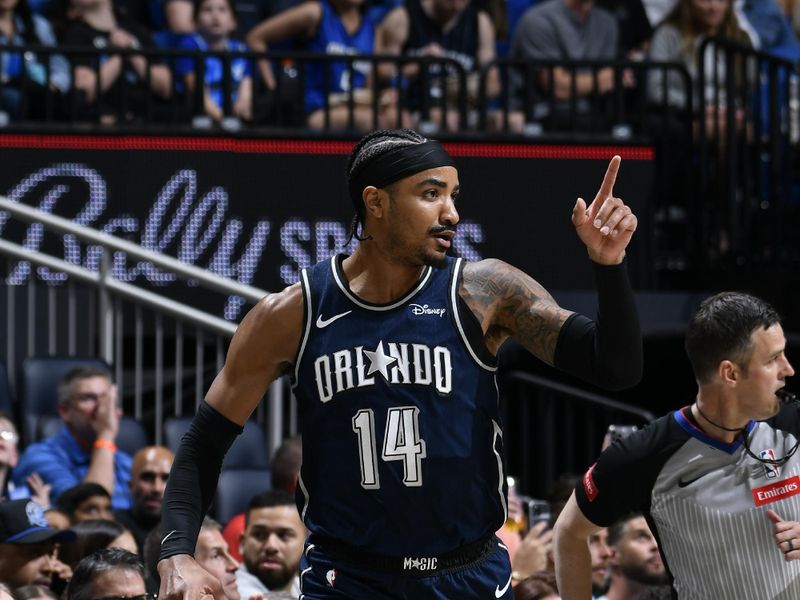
x: 772, y: 470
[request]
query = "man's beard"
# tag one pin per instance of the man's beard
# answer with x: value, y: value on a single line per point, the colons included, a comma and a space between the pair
x: 145, y: 515
x: 641, y: 574
x: 601, y: 589
x: 273, y: 580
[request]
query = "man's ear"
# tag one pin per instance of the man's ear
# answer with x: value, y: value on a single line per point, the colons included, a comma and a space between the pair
x: 373, y: 201
x: 729, y: 372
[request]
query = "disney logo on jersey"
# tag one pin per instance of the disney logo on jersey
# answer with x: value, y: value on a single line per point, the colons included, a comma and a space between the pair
x: 422, y: 564
x: 404, y: 364
x: 779, y: 490
x: 424, y: 309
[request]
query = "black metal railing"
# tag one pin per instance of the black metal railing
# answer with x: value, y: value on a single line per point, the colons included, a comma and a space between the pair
x: 747, y: 153
x: 553, y: 428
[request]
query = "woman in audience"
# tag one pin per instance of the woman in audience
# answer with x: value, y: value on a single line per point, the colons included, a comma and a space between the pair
x: 216, y: 21
x: 94, y: 535
x: 330, y: 27
x: 24, y: 77
x: 678, y: 39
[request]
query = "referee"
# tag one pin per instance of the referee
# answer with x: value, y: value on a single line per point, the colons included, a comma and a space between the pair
x: 718, y: 481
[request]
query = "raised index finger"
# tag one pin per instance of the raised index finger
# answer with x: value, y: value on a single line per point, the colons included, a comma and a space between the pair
x: 607, y: 187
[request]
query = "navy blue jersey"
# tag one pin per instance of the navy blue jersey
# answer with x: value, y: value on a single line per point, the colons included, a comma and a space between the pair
x: 402, y: 447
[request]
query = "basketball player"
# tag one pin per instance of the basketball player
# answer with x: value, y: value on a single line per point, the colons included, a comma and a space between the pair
x: 391, y: 351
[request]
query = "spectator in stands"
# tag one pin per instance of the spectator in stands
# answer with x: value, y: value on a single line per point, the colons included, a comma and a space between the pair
x: 34, y: 487
x: 531, y: 556
x: 84, y: 449
x: 768, y: 27
x: 215, y: 23
x: 127, y: 83
x: 600, y: 553
x: 94, y: 535
x: 28, y: 551
x: 85, y: 501
x: 9, y: 455
x: 565, y: 30
x: 635, y: 562
x: 634, y: 27
x: 286, y: 463
x: 330, y: 27
x: 271, y: 546
x: 284, y: 471
x: 678, y: 39
x: 211, y: 553
x: 559, y: 492
x: 451, y: 29
x: 57, y: 519
x: 657, y: 10
x: 151, y: 466
x: 109, y: 573
x: 24, y: 78
x: 539, y: 586
x: 33, y: 592
x: 179, y: 17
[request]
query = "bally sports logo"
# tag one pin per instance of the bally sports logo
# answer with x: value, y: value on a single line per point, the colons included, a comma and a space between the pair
x: 777, y: 491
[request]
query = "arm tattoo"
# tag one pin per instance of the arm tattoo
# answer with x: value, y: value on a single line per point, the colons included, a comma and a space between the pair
x: 507, y: 302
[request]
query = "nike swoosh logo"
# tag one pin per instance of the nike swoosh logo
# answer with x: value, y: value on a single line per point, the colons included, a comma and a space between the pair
x: 166, y: 537
x: 323, y: 323
x: 498, y: 593
x: 683, y: 483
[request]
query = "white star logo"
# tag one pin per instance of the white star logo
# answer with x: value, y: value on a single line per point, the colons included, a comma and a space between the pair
x: 379, y: 361
x: 415, y: 563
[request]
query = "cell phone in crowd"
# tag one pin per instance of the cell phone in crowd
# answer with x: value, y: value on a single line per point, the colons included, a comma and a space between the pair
x: 617, y: 432
x: 536, y: 511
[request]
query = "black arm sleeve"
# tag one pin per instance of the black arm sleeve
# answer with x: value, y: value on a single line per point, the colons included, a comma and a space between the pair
x: 193, y: 479
x: 607, y: 351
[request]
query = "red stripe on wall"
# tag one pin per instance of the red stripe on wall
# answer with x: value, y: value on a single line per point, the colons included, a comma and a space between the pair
x: 222, y: 144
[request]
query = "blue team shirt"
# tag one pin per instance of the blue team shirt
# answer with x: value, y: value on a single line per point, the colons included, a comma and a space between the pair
x: 402, y: 446
x: 333, y: 38
x: 214, y: 67
x: 61, y: 463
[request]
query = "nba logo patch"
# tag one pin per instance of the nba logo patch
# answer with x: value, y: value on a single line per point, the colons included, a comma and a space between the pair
x: 772, y: 471
x: 330, y: 576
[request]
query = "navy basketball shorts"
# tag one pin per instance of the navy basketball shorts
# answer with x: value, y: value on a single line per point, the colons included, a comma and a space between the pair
x: 327, y: 575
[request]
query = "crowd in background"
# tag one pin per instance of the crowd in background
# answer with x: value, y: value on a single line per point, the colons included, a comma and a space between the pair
x: 75, y: 506
x: 122, y: 77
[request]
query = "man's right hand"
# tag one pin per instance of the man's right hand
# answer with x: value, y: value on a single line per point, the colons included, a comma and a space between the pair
x: 183, y: 579
x: 107, y: 416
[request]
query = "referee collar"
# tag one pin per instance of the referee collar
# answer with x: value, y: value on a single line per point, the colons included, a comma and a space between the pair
x: 686, y: 420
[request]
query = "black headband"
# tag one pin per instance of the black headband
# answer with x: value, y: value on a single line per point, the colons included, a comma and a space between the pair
x: 397, y: 164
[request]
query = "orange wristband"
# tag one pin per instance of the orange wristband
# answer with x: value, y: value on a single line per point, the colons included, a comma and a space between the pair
x: 105, y: 444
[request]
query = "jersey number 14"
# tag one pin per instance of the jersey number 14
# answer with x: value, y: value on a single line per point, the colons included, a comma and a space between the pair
x: 400, y: 442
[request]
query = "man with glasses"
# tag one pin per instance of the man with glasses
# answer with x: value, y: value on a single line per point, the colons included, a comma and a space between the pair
x: 28, y: 550
x: 109, y: 574
x: 85, y: 449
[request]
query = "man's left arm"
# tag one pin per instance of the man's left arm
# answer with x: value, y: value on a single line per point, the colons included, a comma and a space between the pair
x: 607, y: 351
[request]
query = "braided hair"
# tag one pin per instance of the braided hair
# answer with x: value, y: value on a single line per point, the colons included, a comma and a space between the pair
x: 366, y: 150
